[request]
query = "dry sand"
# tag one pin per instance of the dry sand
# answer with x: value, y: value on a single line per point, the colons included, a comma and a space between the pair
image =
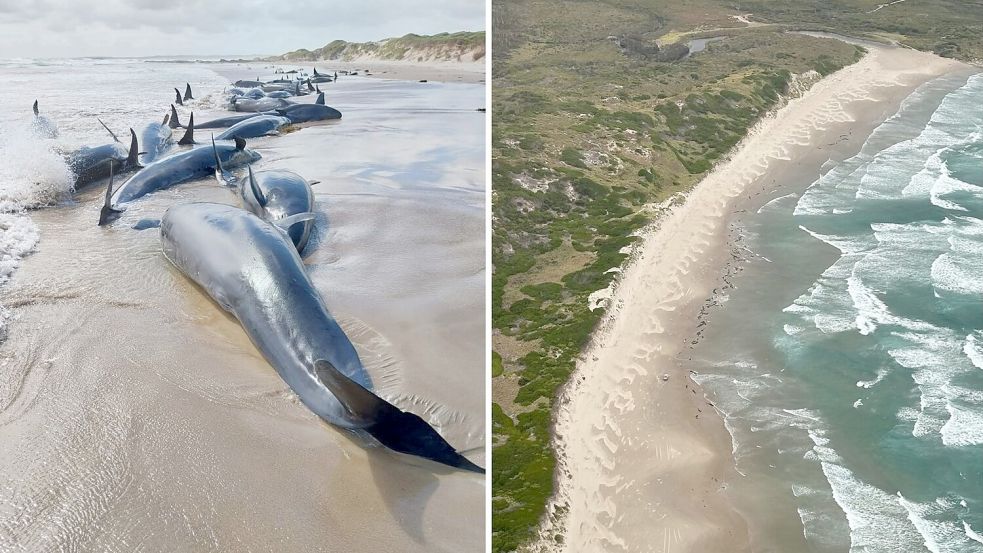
x: 644, y: 462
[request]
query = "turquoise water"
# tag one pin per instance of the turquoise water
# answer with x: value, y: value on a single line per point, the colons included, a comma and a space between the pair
x: 848, y: 359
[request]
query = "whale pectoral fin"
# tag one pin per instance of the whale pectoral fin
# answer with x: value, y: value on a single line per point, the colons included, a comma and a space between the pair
x: 360, y: 403
x: 288, y: 222
x: 189, y: 135
x: 111, y: 133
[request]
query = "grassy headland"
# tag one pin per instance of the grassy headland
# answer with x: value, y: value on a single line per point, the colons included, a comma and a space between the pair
x: 599, y: 112
x: 462, y: 46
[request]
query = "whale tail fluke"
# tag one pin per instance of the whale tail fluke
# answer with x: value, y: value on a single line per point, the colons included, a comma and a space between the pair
x: 174, y: 123
x: 177, y: 97
x: 396, y: 429
x: 108, y: 214
x: 132, y: 159
x: 320, y: 99
x: 187, y: 92
x: 189, y: 135
x: 223, y: 177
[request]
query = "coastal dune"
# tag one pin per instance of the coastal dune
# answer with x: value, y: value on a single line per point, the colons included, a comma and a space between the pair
x: 643, y: 456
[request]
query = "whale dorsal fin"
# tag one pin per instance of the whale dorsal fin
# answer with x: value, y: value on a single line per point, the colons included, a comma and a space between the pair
x: 189, y: 135
x: 240, y: 143
x: 36, y: 112
x: 359, y: 402
x: 320, y: 99
x: 131, y: 158
x: 254, y: 188
x: 310, y: 87
x: 187, y: 92
x: 167, y: 117
x: 177, y: 97
x: 288, y: 222
x: 174, y: 122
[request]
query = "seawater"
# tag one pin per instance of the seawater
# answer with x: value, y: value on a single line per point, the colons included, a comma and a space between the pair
x: 75, y: 94
x: 848, y: 358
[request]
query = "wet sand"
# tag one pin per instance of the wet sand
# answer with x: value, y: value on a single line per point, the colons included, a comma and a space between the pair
x: 449, y: 72
x: 135, y: 415
x: 644, y: 458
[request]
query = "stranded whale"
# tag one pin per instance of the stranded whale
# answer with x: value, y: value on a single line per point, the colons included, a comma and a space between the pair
x: 250, y: 268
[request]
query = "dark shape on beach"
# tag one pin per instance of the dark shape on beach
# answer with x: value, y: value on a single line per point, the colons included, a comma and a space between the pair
x: 177, y: 97
x: 189, y: 135
x: 144, y: 224
x: 187, y: 92
x: 396, y: 429
x: 174, y: 122
x: 36, y: 112
x: 108, y: 214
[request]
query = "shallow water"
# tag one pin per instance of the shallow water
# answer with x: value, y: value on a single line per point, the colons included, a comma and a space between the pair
x: 846, y: 360
x: 136, y: 415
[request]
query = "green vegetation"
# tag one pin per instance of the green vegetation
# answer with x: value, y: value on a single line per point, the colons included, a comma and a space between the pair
x: 589, y: 130
x: 464, y: 46
x: 949, y: 28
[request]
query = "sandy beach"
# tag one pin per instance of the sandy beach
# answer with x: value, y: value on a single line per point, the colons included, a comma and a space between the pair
x: 447, y: 72
x: 644, y: 459
x: 135, y: 415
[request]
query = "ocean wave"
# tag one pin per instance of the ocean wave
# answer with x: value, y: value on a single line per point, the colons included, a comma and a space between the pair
x: 33, y: 174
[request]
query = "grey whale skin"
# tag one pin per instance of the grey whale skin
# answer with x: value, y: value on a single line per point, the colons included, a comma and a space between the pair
x: 250, y: 268
x: 262, y: 104
x: 97, y: 162
x: 253, y: 127
x: 154, y: 140
x: 219, y: 123
x: 195, y: 163
x: 274, y: 195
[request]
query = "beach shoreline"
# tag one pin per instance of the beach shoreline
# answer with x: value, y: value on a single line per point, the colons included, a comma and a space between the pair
x: 643, y: 457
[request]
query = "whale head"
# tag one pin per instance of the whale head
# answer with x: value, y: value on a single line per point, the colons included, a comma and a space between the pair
x: 398, y: 430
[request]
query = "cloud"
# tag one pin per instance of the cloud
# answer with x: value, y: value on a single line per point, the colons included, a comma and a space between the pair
x: 71, y: 28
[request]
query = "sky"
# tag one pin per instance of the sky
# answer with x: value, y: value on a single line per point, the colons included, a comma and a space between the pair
x: 77, y: 28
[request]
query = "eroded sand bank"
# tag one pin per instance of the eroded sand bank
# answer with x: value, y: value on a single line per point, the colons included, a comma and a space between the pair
x: 644, y: 462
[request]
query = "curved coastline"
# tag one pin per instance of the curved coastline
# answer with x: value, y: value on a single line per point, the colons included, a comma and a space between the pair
x: 644, y: 461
